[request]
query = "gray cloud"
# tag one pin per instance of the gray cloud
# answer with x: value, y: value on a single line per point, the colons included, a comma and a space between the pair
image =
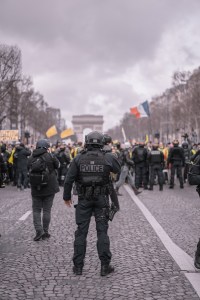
x: 91, y: 56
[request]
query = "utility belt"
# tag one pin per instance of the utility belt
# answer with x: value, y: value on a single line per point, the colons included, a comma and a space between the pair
x: 92, y: 191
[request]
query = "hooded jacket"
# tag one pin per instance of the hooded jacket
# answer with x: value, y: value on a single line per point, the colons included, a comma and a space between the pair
x: 21, y: 156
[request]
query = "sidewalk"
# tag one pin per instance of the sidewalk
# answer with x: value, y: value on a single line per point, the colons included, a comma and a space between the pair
x: 144, y: 270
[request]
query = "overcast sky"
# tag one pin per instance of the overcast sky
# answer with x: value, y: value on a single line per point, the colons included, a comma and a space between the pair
x: 102, y: 56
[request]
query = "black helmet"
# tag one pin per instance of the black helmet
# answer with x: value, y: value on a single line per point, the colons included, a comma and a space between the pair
x: 185, y: 145
x: 94, y: 138
x: 107, y: 139
x: 43, y: 144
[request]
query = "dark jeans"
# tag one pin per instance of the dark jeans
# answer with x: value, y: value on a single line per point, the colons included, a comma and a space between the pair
x: 62, y: 171
x: 176, y: 168
x: 84, y: 211
x: 186, y: 170
x: 41, y: 205
x: 125, y: 174
x: 156, y: 170
x: 22, y: 178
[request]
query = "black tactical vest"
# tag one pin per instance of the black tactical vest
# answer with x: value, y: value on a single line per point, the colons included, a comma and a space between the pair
x: 93, y: 170
x: 140, y: 155
x: 155, y: 157
x: 176, y: 154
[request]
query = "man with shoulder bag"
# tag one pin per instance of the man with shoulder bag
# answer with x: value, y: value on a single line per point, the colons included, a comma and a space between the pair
x: 44, y: 185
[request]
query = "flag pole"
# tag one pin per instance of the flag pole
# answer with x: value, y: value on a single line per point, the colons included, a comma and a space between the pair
x: 150, y: 127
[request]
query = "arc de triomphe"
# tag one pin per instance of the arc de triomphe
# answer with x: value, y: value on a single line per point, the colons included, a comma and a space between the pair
x: 83, y: 124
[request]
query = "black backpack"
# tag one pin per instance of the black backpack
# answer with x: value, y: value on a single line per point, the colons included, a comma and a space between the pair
x: 194, y: 172
x: 39, y: 172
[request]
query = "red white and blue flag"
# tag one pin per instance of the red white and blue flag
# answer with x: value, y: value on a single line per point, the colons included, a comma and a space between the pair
x: 141, y: 111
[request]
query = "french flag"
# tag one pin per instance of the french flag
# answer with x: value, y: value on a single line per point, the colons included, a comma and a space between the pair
x: 141, y: 111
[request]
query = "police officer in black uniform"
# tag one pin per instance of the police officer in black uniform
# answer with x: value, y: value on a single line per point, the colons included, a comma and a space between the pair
x: 90, y: 170
x: 156, y: 164
x: 187, y: 155
x: 177, y: 160
x: 139, y: 156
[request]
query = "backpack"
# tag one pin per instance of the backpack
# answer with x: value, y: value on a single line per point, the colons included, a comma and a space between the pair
x: 39, y: 172
x: 194, y: 172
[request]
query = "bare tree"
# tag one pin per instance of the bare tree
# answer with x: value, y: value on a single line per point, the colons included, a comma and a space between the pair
x: 179, y: 78
x: 10, y: 71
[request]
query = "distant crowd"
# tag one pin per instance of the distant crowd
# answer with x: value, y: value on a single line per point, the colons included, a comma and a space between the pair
x: 143, y: 161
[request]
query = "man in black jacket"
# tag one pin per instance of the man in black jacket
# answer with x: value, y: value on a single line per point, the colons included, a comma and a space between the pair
x: 90, y: 170
x: 42, y: 196
x: 64, y: 160
x: 177, y: 160
x: 21, y: 154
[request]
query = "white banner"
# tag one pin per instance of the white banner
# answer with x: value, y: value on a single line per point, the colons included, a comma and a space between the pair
x: 9, y: 135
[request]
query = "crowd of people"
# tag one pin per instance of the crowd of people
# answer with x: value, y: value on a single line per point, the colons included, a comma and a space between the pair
x: 14, y: 162
x: 141, y: 165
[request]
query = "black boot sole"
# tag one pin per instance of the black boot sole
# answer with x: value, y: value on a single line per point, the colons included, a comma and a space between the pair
x: 108, y: 272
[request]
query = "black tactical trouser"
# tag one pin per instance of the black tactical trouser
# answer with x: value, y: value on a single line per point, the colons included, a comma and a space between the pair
x: 84, y: 210
x: 176, y: 168
x: 198, y: 248
x: 140, y: 175
x: 156, y: 170
x: 1, y: 178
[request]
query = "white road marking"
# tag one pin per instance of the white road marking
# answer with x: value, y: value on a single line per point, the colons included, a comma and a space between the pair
x: 25, y: 216
x: 183, y: 260
x: 194, y: 279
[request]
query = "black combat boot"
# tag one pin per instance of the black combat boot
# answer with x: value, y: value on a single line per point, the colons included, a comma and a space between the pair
x: 106, y: 269
x: 77, y: 270
x: 197, y: 256
x: 39, y: 235
x: 161, y: 188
